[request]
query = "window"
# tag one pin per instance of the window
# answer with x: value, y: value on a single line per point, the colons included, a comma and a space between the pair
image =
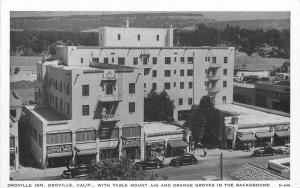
x: 167, y: 60
x: 121, y: 61
x: 154, y: 60
x: 214, y: 60
x: 131, y: 88
x: 119, y: 36
x: 225, y: 59
x: 154, y: 73
x: 145, y: 60
x: 182, y: 59
x: 181, y: 72
x: 224, y: 99
x: 40, y: 140
x: 131, y: 131
x: 190, y: 60
x: 109, y: 89
x: 60, y: 104
x: 105, y: 60
x: 12, y: 141
x: 154, y: 86
x: 131, y: 107
x: 181, y: 85
x: 135, y: 60
x: 174, y: 71
x: 190, y: 85
x: 68, y: 90
x: 56, y: 102
x: 145, y: 85
x: 180, y: 101
x: 81, y: 60
x: 207, y: 58
x: 174, y: 84
x: 82, y: 136
x: 13, y: 113
x: 206, y: 83
x: 190, y: 72
x: 206, y: 71
x: 112, y: 60
x: 138, y: 37
x: 224, y: 72
x: 107, y: 133
x: 59, y: 138
x: 85, y: 90
x: 157, y: 37
x: 146, y: 71
x: 190, y: 101
x: 55, y: 84
x: 167, y: 73
x: 175, y: 59
x: 85, y: 110
x: 68, y: 108
x: 224, y: 83
x: 167, y: 85
x: 95, y: 59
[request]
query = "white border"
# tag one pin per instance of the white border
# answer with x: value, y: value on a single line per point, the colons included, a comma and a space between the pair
x: 151, y: 5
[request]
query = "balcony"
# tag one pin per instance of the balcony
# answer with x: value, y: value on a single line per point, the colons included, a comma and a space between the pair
x: 110, y: 117
x: 110, y: 98
x: 213, y: 89
x: 213, y: 77
x: 214, y: 65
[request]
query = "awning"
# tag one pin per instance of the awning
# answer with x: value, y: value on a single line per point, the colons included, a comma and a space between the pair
x: 178, y: 144
x: 281, y: 134
x: 88, y: 152
x: 246, y: 137
x: 62, y: 154
x: 264, y: 134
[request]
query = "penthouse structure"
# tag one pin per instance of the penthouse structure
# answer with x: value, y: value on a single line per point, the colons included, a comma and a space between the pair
x: 91, y: 99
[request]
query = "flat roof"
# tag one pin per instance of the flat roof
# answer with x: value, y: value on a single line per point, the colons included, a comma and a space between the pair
x: 251, y: 117
x: 47, y: 113
x: 152, y: 47
x: 160, y: 128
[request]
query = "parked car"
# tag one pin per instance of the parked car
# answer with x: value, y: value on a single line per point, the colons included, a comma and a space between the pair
x: 183, y: 160
x: 264, y: 151
x: 150, y: 163
x: 284, y: 150
x: 79, y: 171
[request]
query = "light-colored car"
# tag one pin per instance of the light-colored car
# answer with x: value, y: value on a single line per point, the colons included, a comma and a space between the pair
x: 284, y: 150
x: 210, y: 178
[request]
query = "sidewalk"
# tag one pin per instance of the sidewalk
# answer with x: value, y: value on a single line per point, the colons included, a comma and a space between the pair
x: 29, y: 173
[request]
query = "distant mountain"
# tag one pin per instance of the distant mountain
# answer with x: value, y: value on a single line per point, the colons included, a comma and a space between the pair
x: 255, y: 24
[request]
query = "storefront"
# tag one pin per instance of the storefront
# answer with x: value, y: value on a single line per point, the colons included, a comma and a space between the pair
x: 109, y: 153
x: 155, y: 148
x: 263, y: 138
x: 281, y: 137
x: 176, y: 148
x: 131, y: 148
x: 85, y: 153
x: 59, y: 155
x: 245, y: 140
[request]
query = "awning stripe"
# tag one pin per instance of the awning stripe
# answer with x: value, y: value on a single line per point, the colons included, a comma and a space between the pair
x: 281, y: 134
x: 246, y: 137
x: 62, y: 154
x: 88, y: 152
x: 177, y: 144
x: 264, y: 134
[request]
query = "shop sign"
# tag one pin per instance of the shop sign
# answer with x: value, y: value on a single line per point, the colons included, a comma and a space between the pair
x: 59, y: 148
x: 130, y: 142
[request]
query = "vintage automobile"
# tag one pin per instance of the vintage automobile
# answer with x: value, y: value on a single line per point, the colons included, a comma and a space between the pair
x: 264, y: 151
x: 284, y: 150
x: 77, y: 172
x: 184, y: 160
x: 150, y: 163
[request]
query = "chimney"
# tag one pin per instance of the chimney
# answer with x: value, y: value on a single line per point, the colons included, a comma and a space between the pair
x: 127, y: 23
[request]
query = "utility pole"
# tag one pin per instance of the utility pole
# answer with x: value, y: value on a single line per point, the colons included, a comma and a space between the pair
x: 221, y: 166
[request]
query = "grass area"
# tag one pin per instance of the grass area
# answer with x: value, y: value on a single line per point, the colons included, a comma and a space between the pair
x: 25, y: 89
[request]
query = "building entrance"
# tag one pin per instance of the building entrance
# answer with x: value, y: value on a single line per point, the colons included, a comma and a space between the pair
x: 132, y: 152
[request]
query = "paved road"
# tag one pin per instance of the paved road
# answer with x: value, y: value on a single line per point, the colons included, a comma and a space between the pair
x: 211, y: 167
x: 207, y: 167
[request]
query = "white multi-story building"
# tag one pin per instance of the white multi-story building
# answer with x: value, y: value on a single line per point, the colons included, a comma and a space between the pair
x: 91, y: 99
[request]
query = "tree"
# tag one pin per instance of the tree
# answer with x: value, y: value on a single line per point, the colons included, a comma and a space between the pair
x: 206, y: 123
x: 120, y: 169
x: 158, y: 107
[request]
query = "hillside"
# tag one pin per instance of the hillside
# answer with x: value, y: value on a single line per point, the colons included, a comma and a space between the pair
x: 77, y: 23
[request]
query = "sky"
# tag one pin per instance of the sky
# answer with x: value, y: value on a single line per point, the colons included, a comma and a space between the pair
x: 216, y: 15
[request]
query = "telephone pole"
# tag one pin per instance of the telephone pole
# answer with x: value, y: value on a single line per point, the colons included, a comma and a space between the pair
x: 221, y: 166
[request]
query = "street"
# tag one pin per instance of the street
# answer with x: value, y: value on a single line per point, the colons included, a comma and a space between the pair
x: 204, y: 168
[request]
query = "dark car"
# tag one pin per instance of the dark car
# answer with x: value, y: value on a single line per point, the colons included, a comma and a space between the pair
x: 264, y: 151
x: 79, y: 171
x: 284, y: 150
x: 184, y: 160
x: 150, y: 163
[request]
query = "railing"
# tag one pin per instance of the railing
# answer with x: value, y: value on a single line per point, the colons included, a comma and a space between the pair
x: 110, y: 117
x: 213, y: 77
x: 215, y: 65
x: 107, y: 98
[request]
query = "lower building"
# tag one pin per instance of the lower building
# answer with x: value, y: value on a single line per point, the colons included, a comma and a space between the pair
x: 165, y: 140
x: 246, y: 126
x: 280, y: 166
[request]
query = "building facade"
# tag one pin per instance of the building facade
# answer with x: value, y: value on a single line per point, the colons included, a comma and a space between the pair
x: 186, y: 73
x: 15, y: 114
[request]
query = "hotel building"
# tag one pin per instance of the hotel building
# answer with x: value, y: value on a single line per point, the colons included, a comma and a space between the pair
x: 91, y: 99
